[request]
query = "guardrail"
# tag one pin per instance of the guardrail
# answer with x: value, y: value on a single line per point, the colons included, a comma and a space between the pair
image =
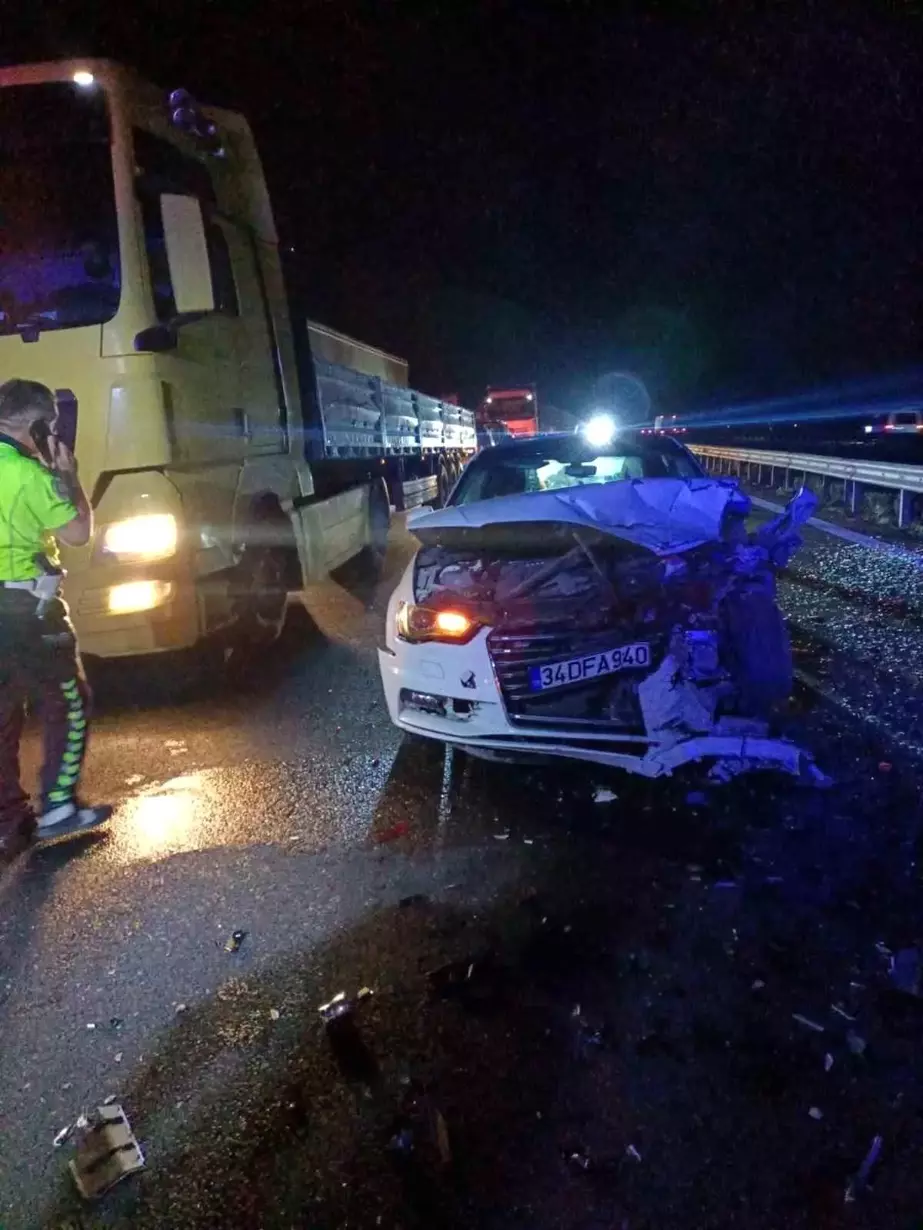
x: 907, y: 481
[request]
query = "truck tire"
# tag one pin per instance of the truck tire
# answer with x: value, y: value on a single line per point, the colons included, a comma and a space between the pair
x: 445, y: 484
x: 379, y: 524
x: 263, y: 579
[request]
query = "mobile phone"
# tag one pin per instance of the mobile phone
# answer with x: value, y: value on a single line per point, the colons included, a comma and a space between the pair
x: 40, y: 431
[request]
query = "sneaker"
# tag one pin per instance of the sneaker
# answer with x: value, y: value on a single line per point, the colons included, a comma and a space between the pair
x: 68, y: 818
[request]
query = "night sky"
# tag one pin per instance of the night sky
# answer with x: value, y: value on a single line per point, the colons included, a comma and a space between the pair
x: 728, y: 203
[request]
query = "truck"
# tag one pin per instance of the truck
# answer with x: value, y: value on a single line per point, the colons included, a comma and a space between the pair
x: 512, y: 409
x: 233, y: 450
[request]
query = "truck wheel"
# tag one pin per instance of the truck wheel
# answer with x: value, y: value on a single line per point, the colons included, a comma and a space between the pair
x: 379, y: 524
x: 263, y: 581
x: 445, y: 484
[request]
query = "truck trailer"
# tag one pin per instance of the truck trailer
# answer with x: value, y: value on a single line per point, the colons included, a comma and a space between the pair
x: 234, y: 451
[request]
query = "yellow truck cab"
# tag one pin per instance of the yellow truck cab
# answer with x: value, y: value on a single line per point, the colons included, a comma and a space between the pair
x: 232, y: 450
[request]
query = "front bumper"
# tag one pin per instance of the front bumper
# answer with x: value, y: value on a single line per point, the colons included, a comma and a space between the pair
x: 450, y: 693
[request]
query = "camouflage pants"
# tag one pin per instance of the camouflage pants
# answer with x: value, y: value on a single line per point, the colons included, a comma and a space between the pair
x: 40, y: 669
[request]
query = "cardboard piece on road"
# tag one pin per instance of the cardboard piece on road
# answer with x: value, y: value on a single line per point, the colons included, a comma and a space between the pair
x: 106, y: 1153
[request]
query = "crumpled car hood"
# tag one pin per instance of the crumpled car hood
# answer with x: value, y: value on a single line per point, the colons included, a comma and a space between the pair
x: 664, y: 515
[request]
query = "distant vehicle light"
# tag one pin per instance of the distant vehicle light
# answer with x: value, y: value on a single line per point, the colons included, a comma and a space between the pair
x: 530, y: 397
x: 84, y: 79
x: 489, y: 400
x: 868, y: 428
x: 599, y: 431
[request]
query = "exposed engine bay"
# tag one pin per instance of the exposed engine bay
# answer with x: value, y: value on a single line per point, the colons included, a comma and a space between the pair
x: 605, y: 612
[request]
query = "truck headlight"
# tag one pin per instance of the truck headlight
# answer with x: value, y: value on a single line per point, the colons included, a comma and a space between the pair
x: 150, y: 537
x: 422, y: 623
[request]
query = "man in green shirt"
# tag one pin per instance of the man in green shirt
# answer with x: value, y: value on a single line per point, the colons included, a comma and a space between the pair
x: 41, y: 504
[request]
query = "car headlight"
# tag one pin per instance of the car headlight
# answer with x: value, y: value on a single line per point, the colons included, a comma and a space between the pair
x: 422, y: 623
x: 150, y: 537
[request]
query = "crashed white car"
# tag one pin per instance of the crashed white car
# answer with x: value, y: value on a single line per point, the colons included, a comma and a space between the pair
x: 604, y: 605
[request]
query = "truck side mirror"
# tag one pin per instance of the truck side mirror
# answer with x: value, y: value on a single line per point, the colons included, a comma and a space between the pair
x: 187, y: 254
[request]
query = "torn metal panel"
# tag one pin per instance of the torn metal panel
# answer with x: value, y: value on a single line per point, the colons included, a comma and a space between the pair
x: 107, y: 1152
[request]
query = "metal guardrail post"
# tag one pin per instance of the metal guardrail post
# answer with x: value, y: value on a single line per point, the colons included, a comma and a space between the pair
x: 853, y: 496
x: 904, y: 508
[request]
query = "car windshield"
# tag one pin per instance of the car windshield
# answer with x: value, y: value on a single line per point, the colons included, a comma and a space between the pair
x: 59, y: 257
x: 554, y: 464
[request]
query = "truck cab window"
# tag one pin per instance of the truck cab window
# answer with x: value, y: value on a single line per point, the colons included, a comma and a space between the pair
x: 160, y: 168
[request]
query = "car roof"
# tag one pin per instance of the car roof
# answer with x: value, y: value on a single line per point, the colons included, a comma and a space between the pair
x: 527, y: 444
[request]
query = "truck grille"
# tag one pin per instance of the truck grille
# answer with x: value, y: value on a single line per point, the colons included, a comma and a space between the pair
x: 606, y: 704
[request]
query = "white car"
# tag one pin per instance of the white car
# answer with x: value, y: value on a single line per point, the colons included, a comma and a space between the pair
x: 603, y: 605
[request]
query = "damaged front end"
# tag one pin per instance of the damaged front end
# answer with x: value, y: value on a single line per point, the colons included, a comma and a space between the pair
x: 630, y: 623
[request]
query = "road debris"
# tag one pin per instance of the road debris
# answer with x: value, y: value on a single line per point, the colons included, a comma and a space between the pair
x: 118, y: 1056
x: 107, y: 1152
x: 757, y: 984
x: 905, y: 971
x: 413, y: 899
x: 828, y: 1062
x: 235, y: 939
x: 803, y: 1020
x: 63, y: 1136
x: 603, y: 795
x: 275, y: 1014
x: 632, y: 1153
x: 116, y: 1023
x: 816, y: 1113
x: 502, y: 836
x: 860, y: 1179
x: 841, y: 1011
x: 856, y: 1044
x: 341, y: 1005
x: 180, y: 1008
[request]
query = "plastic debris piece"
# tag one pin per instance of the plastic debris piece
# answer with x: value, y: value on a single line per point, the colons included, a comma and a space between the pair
x: 63, y: 1136
x: 828, y: 1062
x: 414, y: 899
x: 579, y: 1159
x: 118, y: 1056
x: 180, y: 1008
x: 116, y: 1023
x: 856, y: 1044
x: 860, y: 1179
x: 603, y: 795
x: 341, y: 1005
x: 757, y: 984
x: 816, y: 1113
x: 113, y: 1097
x: 235, y: 939
x: 91, y: 1025
x: 274, y: 1014
x: 882, y: 949
x: 106, y: 1153
x: 502, y: 836
x: 803, y: 1020
x: 401, y: 829
x: 633, y: 1153
x: 906, y: 971
x: 82, y: 1121
x: 841, y: 1011
x: 528, y: 841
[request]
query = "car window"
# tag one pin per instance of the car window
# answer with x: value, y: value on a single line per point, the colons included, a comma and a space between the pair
x: 905, y: 418
x: 510, y: 472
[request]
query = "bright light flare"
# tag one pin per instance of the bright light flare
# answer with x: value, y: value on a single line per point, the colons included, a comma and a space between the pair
x: 84, y: 79
x: 599, y: 431
x: 149, y: 537
x: 452, y: 623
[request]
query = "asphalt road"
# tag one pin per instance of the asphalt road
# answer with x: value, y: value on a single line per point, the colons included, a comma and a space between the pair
x: 616, y: 1047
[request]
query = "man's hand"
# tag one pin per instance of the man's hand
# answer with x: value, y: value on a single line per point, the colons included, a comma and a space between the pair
x: 61, y: 458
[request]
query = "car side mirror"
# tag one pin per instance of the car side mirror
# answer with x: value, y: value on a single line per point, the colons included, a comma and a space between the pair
x: 187, y: 255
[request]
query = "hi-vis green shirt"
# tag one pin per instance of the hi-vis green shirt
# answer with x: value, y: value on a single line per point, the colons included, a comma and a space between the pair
x: 32, y: 506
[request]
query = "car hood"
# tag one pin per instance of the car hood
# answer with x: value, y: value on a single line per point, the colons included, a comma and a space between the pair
x: 663, y: 515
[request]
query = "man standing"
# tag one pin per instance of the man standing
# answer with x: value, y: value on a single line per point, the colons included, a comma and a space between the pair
x: 41, y: 504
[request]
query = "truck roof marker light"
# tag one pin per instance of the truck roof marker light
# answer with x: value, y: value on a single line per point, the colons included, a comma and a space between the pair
x: 84, y: 79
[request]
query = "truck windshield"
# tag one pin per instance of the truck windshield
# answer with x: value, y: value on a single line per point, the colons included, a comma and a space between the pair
x: 59, y: 256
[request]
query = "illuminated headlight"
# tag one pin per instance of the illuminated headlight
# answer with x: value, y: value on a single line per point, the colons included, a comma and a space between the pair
x: 868, y: 429
x: 150, y: 537
x: 136, y: 596
x: 599, y: 431
x: 421, y: 623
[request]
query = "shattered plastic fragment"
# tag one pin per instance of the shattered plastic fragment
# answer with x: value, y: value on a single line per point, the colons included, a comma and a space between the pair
x: 633, y: 1153
x: 841, y: 1011
x: 803, y: 1020
x: 63, y: 1136
x: 828, y: 1062
x: 106, y: 1153
x: 603, y: 795
x: 274, y: 1014
x: 861, y: 1177
x: 180, y: 1008
x: 816, y: 1113
x: 235, y: 940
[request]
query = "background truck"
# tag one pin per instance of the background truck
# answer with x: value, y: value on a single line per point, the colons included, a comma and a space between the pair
x: 233, y: 450
x: 515, y: 410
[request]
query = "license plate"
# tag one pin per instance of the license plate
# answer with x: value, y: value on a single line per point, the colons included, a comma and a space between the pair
x: 590, y: 666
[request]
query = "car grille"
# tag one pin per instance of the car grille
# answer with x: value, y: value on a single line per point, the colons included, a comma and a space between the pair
x: 606, y: 704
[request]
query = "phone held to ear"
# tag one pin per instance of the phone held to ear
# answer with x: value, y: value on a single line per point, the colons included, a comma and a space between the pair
x: 40, y: 432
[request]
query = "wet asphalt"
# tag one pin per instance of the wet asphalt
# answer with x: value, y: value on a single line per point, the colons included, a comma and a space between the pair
x: 583, y: 1005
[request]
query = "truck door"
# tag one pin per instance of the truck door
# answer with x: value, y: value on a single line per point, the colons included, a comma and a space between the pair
x: 257, y: 409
